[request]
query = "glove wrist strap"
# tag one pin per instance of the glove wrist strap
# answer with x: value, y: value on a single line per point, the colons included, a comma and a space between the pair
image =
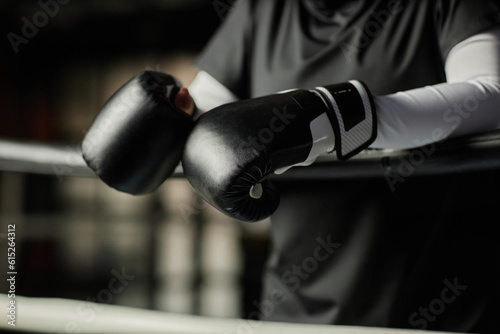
x: 351, y: 111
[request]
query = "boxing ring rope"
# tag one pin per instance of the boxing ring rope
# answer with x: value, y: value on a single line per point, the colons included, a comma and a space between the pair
x: 54, y: 315
x: 467, y: 154
x: 42, y: 158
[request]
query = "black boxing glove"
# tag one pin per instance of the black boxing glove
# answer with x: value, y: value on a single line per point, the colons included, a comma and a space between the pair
x: 232, y: 148
x: 136, y: 140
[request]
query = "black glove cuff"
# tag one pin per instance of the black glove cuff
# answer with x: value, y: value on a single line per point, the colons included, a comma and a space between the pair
x: 353, y: 116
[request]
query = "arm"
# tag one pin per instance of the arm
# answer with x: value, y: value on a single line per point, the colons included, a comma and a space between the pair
x: 465, y: 104
x: 233, y: 148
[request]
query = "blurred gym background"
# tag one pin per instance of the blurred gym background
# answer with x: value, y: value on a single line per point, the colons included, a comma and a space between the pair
x: 59, y: 62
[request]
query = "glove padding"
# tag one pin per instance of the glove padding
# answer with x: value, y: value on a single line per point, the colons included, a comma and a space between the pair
x: 136, y: 140
x: 233, y: 148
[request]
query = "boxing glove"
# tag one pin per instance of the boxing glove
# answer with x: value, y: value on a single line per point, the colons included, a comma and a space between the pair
x: 233, y: 148
x: 136, y: 140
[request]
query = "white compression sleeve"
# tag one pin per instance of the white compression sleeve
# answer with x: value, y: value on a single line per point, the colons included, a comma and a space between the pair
x: 209, y: 93
x: 468, y: 103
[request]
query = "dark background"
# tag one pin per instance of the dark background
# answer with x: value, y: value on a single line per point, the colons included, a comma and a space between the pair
x: 71, y: 233
x: 84, y: 31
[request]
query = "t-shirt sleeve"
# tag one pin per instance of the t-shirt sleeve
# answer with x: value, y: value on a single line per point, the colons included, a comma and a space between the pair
x: 225, y: 57
x: 457, y: 20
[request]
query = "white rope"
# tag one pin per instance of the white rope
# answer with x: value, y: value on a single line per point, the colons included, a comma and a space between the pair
x: 52, y: 315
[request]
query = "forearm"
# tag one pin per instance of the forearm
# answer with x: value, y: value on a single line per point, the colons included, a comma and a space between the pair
x: 431, y: 114
x: 466, y: 104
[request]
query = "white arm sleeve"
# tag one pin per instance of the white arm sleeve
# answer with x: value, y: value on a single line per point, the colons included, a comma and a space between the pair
x: 209, y: 93
x: 468, y: 103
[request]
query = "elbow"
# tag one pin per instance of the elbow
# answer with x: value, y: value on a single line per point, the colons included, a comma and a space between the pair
x: 479, y: 111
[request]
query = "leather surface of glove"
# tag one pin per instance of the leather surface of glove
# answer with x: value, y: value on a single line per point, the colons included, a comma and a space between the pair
x: 136, y: 140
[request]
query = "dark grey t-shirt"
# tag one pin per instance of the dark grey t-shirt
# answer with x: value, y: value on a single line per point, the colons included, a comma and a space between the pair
x: 352, y: 252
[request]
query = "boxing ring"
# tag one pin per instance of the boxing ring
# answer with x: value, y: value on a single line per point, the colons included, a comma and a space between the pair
x: 51, y: 315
